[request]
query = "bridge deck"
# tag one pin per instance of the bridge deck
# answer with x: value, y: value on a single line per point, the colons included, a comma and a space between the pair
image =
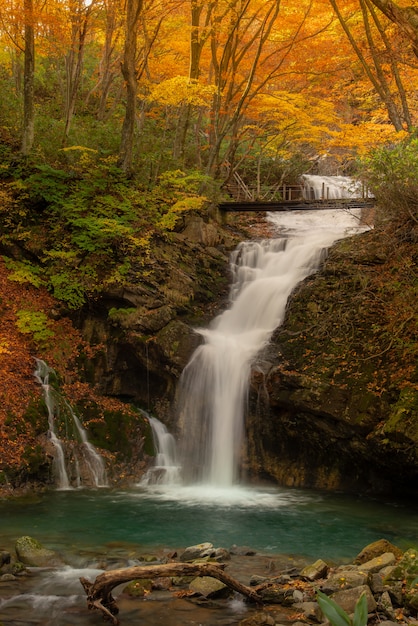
x: 297, y: 205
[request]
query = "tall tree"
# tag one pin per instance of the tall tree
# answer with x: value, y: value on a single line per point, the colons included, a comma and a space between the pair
x: 405, y: 17
x: 129, y: 72
x: 372, y: 64
x: 80, y: 14
x: 28, y: 130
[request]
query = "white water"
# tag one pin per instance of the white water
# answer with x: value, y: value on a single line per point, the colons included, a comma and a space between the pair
x: 91, y: 459
x: 214, y: 385
x: 165, y: 469
x: 331, y: 187
x: 41, y: 374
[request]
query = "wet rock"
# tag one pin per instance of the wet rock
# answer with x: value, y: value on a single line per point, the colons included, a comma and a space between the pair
x: 5, y: 558
x: 138, y: 588
x: 147, y: 558
x: 204, y: 551
x: 7, y: 577
x: 348, y: 598
x: 378, y: 563
x: 376, y: 583
x: 315, y: 571
x: 311, y: 610
x: 209, y: 587
x: 221, y: 555
x: 277, y: 595
x: 162, y: 584
x: 242, y: 551
x: 31, y: 552
x: 344, y: 579
x: 259, y: 619
x: 197, y: 551
x: 385, y: 605
x: 375, y: 549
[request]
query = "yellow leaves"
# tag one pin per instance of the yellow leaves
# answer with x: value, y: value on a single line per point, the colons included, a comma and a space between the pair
x: 169, y: 219
x: 296, y: 118
x: 361, y: 138
x: 181, y: 90
x: 4, y: 346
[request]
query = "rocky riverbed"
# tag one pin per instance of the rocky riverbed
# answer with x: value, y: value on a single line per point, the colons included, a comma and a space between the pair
x: 40, y: 586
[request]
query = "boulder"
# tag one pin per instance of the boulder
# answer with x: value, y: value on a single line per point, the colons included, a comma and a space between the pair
x: 344, y: 579
x: 348, y: 598
x: 199, y: 551
x: 379, y: 562
x: 31, y: 552
x: 375, y: 549
x: 209, y: 587
x: 315, y: 571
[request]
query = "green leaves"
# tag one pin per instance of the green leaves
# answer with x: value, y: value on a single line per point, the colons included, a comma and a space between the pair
x: 337, y: 616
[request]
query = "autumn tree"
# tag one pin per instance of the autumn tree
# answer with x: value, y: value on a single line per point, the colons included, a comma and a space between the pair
x: 404, y: 17
x: 373, y: 52
x: 79, y: 19
x: 28, y: 79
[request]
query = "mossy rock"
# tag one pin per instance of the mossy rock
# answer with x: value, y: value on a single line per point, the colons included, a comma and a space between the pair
x: 138, y: 588
x: 31, y: 552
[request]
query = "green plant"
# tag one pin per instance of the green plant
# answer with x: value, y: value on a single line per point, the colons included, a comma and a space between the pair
x: 392, y: 175
x: 35, y: 323
x: 337, y: 616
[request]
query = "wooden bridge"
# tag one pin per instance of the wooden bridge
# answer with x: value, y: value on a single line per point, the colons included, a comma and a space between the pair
x: 291, y: 197
x: 296, y: 205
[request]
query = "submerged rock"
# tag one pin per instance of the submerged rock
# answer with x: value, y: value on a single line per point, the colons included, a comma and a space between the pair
x: 31, y: 552
x: 209, y: 587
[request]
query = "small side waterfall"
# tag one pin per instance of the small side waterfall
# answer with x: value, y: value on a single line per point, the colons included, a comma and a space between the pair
x: 165, y: 469
x: 74, y: 455
x: 41, y: 374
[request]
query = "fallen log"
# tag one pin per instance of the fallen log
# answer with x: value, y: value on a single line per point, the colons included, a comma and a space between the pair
x: 99, y: 592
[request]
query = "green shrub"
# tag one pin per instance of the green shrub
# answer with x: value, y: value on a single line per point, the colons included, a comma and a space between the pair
x: 34, y: 323
x: 392, y: 175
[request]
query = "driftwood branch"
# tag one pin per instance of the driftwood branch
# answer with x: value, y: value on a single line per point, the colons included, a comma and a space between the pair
x: 99, y: 592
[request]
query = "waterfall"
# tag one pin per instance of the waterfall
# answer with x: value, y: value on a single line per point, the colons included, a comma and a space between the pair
x: 41, y: 374
x: 83, y: 458
x: 331, y: 187
x: 214, y: 385
x: 165, y: 469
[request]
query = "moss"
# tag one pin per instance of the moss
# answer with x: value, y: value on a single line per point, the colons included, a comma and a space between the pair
x: 35, y: 459
x: 404, y: 415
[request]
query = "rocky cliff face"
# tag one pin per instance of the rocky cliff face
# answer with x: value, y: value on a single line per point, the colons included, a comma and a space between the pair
x: 146, y: 329
x: 334, y: 400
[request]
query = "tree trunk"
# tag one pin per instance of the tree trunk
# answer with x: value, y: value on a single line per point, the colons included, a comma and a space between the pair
x: 28, y: 81
x: 133, y: 11
x: 99, y: 593
x: 74, y: 62
x: 405, y: 17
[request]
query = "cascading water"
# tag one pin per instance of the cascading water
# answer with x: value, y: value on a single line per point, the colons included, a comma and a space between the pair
x: 91, y: 461
x: 165, y: 468
x: 214, y: 385
x: 331, y: 187
x: 41, y: 374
